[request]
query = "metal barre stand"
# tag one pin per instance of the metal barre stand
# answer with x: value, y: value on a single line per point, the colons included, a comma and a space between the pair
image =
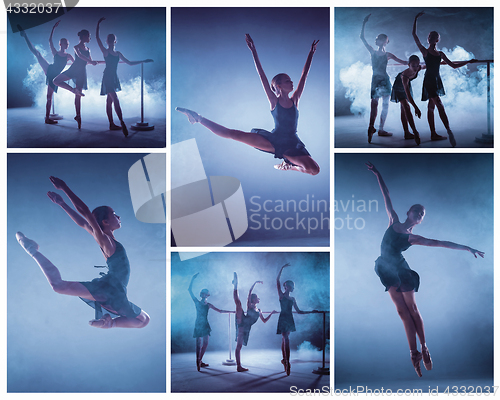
x: 141, y: 125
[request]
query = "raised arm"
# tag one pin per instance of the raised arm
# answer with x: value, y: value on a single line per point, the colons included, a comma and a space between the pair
x: 420, y: 240
x: 77, y: 218
x: 250, y: 294
x: 278, y: 283
x: 273, y: 100
x: 99, y: 42
x: 103, y: 240
x: 305, y: 71
x: 122, y: 57
x: 190, y: 288
x: 362, y: 35
x: 455, y: 64
x: 393, y: 217
x: 422, y: 49
x: 51, y: 43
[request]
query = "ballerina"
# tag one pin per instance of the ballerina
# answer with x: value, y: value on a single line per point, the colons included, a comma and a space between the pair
x: 381, y: 85
x: 395, y: 274
x: 108, y: 292
x: 78, y: 72
x: 110, y: 82
x: 61, y: 59
x: 201, y: 327
x: 283, y: 141
x: 244, y: 321
x: 286, y: 324
x: 433, y: 87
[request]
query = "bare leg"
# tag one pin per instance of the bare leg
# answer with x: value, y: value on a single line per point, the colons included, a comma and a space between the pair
x: 78, y: 108
x: 109, y: 112
x: 202, y: 351
x: 404, y: 122
x: 48, y: 105
x: 42, y: 61
x: 305, y: 164
x: 60, y: 80
x: 406, y: 110
x: 373, y: 116
x: 430, y: 119
x: 383, y: 117
x: 285, y: 349
x: 237, y: 352
x: 444, y: 119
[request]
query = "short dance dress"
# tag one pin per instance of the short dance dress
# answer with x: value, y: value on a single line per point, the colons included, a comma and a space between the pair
x: 381, y: 84
x: 398, y: 91
x: 284, y: 136
x: 55, y: 69
x: 433, y: 85
x: 78, y: 70
x: 201, y: 326
x: 285, y: 320
x: 247, y: 321
x: 110, y: 290
x: 110, y: 82
x: 391, y: 267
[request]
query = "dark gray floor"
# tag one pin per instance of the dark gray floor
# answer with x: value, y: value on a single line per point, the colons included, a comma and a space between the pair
x: 265, y: 373
x: 351, y: 132
x: 26, y: 129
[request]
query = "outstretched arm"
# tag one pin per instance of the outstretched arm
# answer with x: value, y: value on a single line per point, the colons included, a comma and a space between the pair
x: 393, y: 217
x: 250, y: 293
x: 269, y: 316
x: 273, y: 100
x: 305, y: 71
x: 217, y: 309
x: 190, y: 288
x: 455, y: 64
x: 51, y: 43
x: 77, y: 218
x: 420, y: 240
x: 278, y: 284
x: 122, y: 57
x: 83, y: 57
x: 362, y: 35
x: 97, y: 37
x: 399, y: 60
x: 299, y: 311
x: 103, y: 240
x: 422, y: 49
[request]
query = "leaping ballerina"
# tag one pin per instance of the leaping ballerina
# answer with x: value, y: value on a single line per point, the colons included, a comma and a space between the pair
x: 283, y: 140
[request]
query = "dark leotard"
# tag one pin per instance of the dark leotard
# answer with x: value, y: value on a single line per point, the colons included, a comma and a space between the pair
x: 284, y: 135
x: 243, y: 328
x: 78, y: 70
x: 110, y: 82
x: 381, y: 84
x: 201, y: 326
x: 433, y: 85
x: 285, y: 320
x: 391, y: 267
x: 55, y: 69
x: 110, y: 290
x: 398, y: 90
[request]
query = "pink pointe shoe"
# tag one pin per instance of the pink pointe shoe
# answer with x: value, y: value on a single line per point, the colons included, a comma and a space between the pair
x: 426, y: 357
x: 193, y: 117
x: 30, y: 246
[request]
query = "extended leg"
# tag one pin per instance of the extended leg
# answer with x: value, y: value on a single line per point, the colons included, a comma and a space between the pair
x: 430, y: 118
x: 373, y: 116
x: 42, y: 61
x: 107, y: 322
x: 60, y: 80
x: 305, y: 164
x: 285, y: 349
x: 202, y: 351
x: 383, y: 117
x: 444, y: 119
x: 406, y: 111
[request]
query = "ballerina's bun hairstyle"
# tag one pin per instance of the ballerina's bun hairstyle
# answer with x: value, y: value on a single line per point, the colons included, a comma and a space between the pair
x: 433, y: 35
x: 111, y: 38
x: 83, y: 33
x: 383, y: 37
x: 100, y: 214
x: 276, y: 81
x: 289, y: 283
x: 253, y: 297
x: 204, y: 291
x: 414, y: 57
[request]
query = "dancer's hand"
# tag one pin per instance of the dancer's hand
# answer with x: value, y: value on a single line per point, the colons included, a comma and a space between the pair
x: 418, y: 112
x: 56, y: 24
x: 195, y: 275
x: 476, y: 252
x: 419, y: 14
x: 250, y: 42
x: 313, y: 46
x: 259, y: 282
x: 366, y: 19
x: 372, y: 168
x: 102, y: 19
x: 286, y: 265
x: 56, y: 199
x: 315, y: 312
x: 473, y: 60
x: 94, y: 62
x: 58, y: 183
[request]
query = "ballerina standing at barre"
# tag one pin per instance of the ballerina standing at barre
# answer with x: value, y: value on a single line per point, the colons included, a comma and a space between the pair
x: 61, y: 59
x: 110, y: 82
x: 283, y: 140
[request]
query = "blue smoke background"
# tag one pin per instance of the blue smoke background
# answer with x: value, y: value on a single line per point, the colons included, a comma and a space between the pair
x: 213, y: 73
x: 465, y: 33
x: 309, y: 271
x: 456, y: 292
x: 50, y: 346
x: 140, y: 34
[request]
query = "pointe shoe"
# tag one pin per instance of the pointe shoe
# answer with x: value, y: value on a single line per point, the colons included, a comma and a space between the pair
x: 106, y: 322
x: 417, y: 138
x: 193, y: 117
x: 204, y: 365
x: 30, y: 246
x: 451, y: 136
x: 288, y: 368
x: 284, y: 364
x: 235, y: 280
x: 416, y: 357
x: 114, y: 127
x: 241, y: 369
x: 50, y: 121
x: 435, y: 136
x: 284, y: 166
x: 198, y: 365
x: 78, y: 92
x: 371, y: 131
x: 409, y: 135
x: 78, y: 119
x: 124, y: 128
x: 426, y: 357
x: 381, y: 132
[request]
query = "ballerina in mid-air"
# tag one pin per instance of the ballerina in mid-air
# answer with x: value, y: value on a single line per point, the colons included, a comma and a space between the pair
x: 109, y: 292
x: 395, y: 274
x: 110, y: 82
x: 61, y: 59
x: 283, y: 140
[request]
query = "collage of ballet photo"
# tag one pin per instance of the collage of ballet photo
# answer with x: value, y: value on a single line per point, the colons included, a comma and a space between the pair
x: 170, y: 134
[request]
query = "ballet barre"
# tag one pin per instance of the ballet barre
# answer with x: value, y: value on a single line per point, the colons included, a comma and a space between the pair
x: 141, y: 125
